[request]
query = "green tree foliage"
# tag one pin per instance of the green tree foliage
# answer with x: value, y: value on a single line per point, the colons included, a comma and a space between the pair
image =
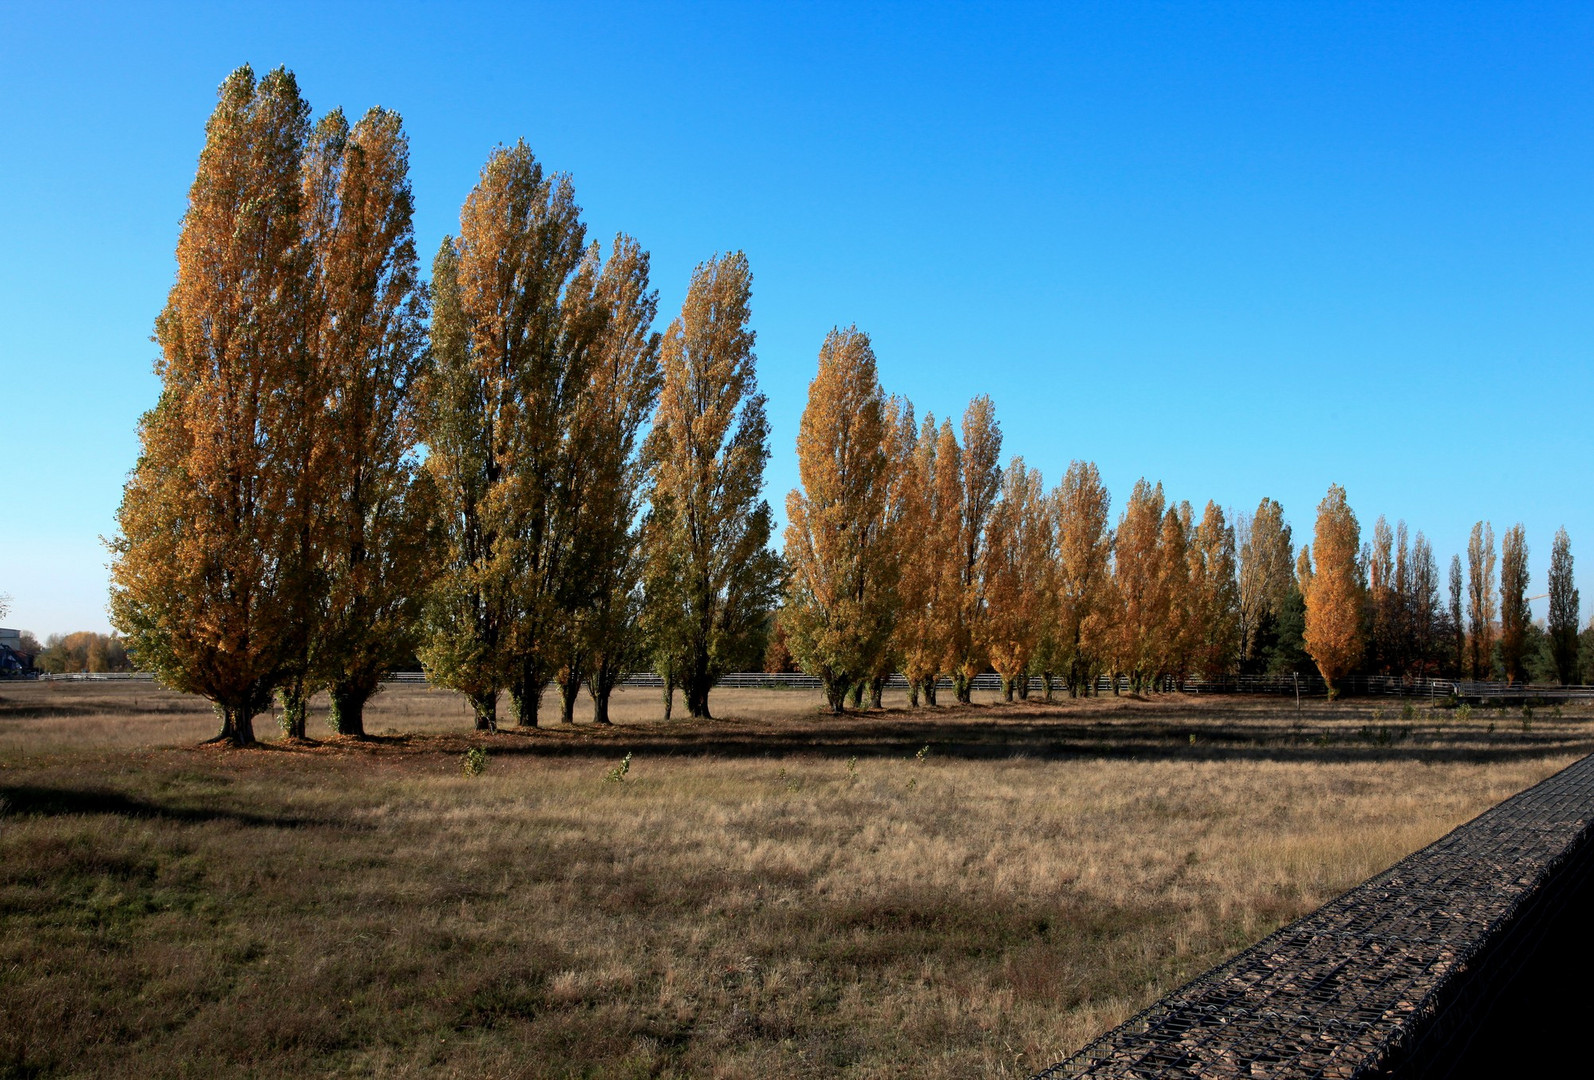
x: 1562, y: 623
x: 713, y: 578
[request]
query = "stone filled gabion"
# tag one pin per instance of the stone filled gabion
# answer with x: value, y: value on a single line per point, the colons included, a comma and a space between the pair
x: 1351, y: 989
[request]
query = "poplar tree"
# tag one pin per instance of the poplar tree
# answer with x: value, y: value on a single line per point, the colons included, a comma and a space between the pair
x: 511, y: 337
x: 1458, y: 621
x: 1423, y: 605
x: 1214, y: 592
x: 981, y: 480
x: 1266, y: 575
x: 1383, y: 598
x: 367, y: 304
x: 919, y: 633
x: 1563, y: 609
x: 1082, y: 581
x: 618, y: 401
x: 1177, y: 623
x: 1514, y: 614
x: 840, y: 544
x: 1332, y: 587
x: 1141, y: 610
x: 1017, y: 556
x: 204, y: 578
x: 1481, y: 599
x: 708, y: 528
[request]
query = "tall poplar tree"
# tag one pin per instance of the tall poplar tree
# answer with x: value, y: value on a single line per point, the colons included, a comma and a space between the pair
x: 1141, y: 608
x: 981, y: 483
x: 617, y: 403
x: 1458, y: 620
x: 1017, y: 556
x: 919, y: 631
x: 1480, y: 600
x: 204, y: 578
x: 1266, y: 577
x: 841, y: 594
x: 1082, y: 581
x: 1214, y: 596
x: 1514, y: 614
x: 1333, y: 590
x: 367, y: 305
x: 708, y: 526
x: 1563, y: 609
x: 511, y: 342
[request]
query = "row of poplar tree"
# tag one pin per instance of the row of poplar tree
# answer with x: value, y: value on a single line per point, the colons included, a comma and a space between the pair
x: 911, y: 551
x: 507, y: 469
x: 508, y: 472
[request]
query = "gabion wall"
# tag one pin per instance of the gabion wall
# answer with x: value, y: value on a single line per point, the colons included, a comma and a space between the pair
x: 1389, y: 979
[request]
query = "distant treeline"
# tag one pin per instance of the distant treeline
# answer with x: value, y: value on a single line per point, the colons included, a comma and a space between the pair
x: 507, y: 472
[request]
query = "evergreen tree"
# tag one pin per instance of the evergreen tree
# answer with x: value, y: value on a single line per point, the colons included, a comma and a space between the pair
x: 1563, y: 610
x: 206, y: 575
x: 708, y: 527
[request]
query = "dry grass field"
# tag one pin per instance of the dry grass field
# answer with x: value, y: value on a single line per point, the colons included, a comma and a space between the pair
x: 774, y: 893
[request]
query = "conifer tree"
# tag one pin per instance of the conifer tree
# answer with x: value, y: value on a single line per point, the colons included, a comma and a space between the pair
x: 1514, y: 615
x: 1563, y: 610
x: 1082, y: 583
x: 841, y: 593
x: 1332, y: 587
x: 1480, y: 600
x: 706, y: 455
x: 204, y: 579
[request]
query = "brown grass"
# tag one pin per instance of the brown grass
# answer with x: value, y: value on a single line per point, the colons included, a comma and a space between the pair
x: 775, y: 893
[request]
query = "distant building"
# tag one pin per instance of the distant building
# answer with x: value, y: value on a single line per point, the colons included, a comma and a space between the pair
x: 13, y: 661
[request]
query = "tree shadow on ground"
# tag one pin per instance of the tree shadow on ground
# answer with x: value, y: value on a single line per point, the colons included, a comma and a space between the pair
x: 25, y: 800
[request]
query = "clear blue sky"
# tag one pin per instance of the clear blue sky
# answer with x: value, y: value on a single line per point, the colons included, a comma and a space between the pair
x: 1247, y: 250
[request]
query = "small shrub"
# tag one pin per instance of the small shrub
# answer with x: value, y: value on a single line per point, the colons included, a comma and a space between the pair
x: 852, y: 768
x: 1408, y: 712
x: 1464, y: 713
x: 616, y: 775
x: 474, y: 763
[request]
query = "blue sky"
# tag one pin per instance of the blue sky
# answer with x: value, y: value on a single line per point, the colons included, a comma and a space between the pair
x: 1247, y: 250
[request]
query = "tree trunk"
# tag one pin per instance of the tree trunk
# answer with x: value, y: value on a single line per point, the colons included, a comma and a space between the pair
x: 1023, y: 686
x: 347, y: 715
x: 669, y: 695
x: 485, y: 706
x: 877, y: 692
x: 857, y: 695
x: 237, y: 726
x: 929, y: 690
x: 835, y: 695
x: 1007, y: 689
x: 1046, y: 686
x: 526, y: 694
x: 913, y: 693
x: 569, y: 690
x: 295, y: 707
x: 697, y: 687
x: 962, y: 688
